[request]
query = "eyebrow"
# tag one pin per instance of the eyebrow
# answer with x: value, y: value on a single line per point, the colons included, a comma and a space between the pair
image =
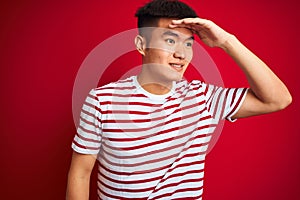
x: 171, y: 33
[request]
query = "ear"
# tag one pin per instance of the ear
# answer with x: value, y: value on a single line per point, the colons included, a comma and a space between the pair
x: 140, y: 44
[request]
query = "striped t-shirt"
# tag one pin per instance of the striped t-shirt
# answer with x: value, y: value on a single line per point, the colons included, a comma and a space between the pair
x: 152, y: 146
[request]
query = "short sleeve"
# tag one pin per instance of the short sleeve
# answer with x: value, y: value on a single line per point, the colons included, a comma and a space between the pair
x: 88, y: 137
x: 223, y: 103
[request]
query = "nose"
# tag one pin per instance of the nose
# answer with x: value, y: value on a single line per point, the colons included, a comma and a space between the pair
x: 179, y: 52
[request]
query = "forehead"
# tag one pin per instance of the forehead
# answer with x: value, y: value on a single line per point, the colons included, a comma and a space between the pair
x: 163, y: 26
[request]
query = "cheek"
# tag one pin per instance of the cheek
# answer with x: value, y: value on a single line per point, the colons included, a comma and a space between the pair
x: 189, y: 55
x: 158, y: 56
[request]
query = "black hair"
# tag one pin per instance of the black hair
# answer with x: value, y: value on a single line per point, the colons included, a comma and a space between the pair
x: 150, y: 13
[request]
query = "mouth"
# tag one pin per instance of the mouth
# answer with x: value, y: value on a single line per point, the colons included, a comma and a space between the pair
x: 176, y: 66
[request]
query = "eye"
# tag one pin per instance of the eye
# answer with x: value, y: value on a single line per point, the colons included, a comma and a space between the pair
x: 170, y: 41
x: 189, y: 44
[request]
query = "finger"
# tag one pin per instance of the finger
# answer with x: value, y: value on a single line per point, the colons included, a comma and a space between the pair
x: 180, y: 26
x: 173, y: 25
x: 187, y: 26
x: 195, y: 27
x: 177, y: 21
x: 198, y: 21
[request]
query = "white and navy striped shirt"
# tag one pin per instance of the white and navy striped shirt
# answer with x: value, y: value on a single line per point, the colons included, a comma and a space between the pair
x: 152, y: 146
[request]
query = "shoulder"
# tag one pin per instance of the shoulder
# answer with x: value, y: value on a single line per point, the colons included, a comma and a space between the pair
x: 116, y: 85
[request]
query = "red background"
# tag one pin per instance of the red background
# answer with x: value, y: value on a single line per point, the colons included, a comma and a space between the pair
x: 43, y: 44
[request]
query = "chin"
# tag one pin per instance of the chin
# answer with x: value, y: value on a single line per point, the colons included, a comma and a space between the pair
x: 176, y: 78
x: 170, y: 76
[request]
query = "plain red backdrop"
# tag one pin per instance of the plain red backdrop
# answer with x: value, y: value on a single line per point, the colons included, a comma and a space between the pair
x: 43, y: 44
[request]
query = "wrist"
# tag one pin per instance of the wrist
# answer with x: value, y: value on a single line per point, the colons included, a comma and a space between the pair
x: 229, y: 43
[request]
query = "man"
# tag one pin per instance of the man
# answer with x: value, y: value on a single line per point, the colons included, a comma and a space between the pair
x: 150, y: 132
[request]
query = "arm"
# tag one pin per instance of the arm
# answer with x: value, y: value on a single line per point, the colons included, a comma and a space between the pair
x: 79, y: 176
x: 267, y: 92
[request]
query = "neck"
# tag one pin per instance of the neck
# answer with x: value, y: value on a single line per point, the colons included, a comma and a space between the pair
x: 153, y: 86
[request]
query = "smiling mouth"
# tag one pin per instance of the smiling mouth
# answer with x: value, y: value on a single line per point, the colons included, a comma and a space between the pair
x: 177, y: 67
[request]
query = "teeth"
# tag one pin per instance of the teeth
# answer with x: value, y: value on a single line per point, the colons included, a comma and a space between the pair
x: 176, y: 65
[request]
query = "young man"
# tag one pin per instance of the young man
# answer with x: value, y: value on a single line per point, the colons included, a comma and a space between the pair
x: 150, y: 132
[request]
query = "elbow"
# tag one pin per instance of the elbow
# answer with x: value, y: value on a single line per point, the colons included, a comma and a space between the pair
x: 284, y: 102
x: 288, y: 101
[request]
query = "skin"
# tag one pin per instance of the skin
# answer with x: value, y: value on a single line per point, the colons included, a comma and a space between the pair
x: 267, y: 92
x: 79, y: 176
x: 165, y: 57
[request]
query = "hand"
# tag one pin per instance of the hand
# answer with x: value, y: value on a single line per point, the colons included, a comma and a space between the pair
x: 210, y: 33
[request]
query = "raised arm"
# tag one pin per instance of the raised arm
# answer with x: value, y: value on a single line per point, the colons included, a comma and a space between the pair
x: 79, y: 176
x: 267, y: 92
